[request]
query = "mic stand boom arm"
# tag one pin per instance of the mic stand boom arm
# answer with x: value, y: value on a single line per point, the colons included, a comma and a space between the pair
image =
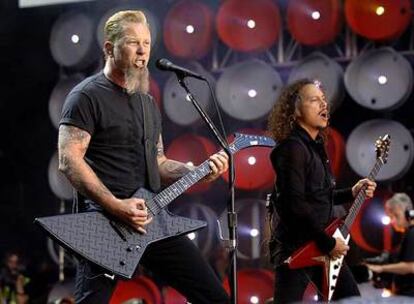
x: 231, y: 214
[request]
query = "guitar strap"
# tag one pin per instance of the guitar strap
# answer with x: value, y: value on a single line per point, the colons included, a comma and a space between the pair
x: 149, y: 142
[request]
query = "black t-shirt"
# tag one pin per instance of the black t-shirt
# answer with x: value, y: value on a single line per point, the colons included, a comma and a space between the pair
x: 306, y: 194
x: 114, y: 119
x: 404, y: 284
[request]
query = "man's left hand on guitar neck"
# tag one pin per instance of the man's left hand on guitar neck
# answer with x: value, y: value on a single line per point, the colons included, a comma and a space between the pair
x: 219, y: 163
x: 369, y: 185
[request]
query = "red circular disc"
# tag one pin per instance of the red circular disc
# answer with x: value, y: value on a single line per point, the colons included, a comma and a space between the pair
x: 378, y: 19
x: 247, y: 26
x: 155, y: 92
x: 336, y: 151
x: 253, y: 166
x: 139, y: 287
x: 194, y: 149
x: 368, y: 232
x: 314, y: 22
x: 188, y: 29
x: 172, y: 296
x: 254, y: 285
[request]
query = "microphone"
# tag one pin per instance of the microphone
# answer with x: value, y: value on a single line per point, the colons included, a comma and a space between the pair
x: 166, y: 65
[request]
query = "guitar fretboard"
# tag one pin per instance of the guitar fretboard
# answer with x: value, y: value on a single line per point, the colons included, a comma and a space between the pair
x: 359, y: 200
x: 170, y: 193
x: 162, y: 199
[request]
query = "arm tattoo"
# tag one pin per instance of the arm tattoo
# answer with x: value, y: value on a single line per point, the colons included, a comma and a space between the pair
x: 71, y: 135
x: 173, y: 170
x: 73, y: 144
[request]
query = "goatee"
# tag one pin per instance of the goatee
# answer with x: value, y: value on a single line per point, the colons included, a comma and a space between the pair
x: 137, y: 80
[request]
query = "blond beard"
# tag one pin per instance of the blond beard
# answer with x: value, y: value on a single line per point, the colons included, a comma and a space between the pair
x: 137, y: 80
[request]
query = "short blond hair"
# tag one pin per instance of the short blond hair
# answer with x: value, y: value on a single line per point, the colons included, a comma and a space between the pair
x: 114, y: 26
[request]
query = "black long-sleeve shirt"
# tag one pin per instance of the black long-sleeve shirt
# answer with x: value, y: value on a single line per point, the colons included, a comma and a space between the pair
x: 305, y: 194
x: 404, y: 284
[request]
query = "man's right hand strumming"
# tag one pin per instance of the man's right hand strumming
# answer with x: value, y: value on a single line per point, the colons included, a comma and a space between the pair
x: 133, y: 211
x: 340, y: 249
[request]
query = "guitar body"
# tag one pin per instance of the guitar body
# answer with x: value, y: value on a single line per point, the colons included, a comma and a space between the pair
x: 100, y: 239
x: 310, y: 255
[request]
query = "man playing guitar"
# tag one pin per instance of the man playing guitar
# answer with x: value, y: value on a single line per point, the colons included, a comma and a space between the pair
x: 305, y: 191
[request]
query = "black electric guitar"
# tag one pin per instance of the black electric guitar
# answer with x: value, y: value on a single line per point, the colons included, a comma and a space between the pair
x: 116, y: 247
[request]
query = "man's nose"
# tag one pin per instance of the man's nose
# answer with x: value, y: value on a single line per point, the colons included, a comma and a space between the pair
x: 140, y: 49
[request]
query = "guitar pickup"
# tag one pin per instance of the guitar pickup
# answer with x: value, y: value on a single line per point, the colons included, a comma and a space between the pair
x: 118, y: 230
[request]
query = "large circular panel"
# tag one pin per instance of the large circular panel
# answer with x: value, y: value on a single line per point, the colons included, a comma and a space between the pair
x: 57, y: 181
x: 172, y: 296
x: 252, y: 166
x: 72, y: 40
x: 175, y: 104
x: 253, y: 230
x: 320, y: 67
x: 138, y: 290
x: 314, y: 22
x: 61, y: 291
x: 154, y: 91
x: 380, y: 79
x: 191, y: 149
x: 58, y: 96
x: 248, y: 90
x: 188, y: 29
x: 369, y: 231
x: 336, y: 151
x: 247, y: 26
x: 255, y: 285
x: 378, y: 20
x: 204, y: 239
x: 360, y: 148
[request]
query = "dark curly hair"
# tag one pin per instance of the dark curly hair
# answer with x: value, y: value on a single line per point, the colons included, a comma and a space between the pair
x: 281, y: 119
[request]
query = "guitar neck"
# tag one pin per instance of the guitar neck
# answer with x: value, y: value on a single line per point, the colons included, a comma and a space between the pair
x: 359, y: 200
x: 162, y: 199
x: 170, y: 193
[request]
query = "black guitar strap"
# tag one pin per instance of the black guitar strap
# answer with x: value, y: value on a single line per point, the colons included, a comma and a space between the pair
x: 149, y: 142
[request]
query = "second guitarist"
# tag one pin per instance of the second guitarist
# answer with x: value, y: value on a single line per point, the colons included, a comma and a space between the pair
x: 305, y: 191
x: 110, y: 145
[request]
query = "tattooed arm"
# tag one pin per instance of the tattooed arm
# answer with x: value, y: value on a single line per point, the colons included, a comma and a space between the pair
x: 171, y: 170
x: 72, y: 145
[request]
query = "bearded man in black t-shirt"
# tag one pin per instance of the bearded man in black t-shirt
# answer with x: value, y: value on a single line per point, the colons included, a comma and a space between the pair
x: 103, y: 153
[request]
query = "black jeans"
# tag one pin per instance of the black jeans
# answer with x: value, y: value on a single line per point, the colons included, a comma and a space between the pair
x: 177, y: 261
x: 290, y: 284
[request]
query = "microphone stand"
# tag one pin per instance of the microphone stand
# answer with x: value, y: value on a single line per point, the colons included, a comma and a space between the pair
x: 231, y: 214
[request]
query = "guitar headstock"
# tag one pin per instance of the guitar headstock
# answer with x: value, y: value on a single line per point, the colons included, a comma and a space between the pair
x: 382, y: 147
x: 242, y: 141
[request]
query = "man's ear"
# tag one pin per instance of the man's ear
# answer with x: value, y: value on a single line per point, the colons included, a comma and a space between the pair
x: 109, y: 48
